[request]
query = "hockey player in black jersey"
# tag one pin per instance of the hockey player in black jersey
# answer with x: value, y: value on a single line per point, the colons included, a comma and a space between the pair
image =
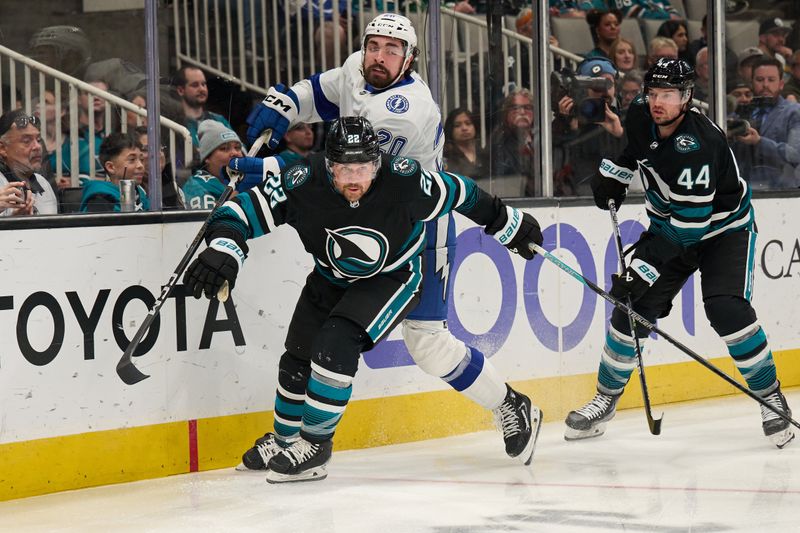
x: 701, y: 219
x: 361, y: 215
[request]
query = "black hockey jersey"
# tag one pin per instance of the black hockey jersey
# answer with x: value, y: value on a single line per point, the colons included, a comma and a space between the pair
x: 383, y: 233
x: 693, y: 190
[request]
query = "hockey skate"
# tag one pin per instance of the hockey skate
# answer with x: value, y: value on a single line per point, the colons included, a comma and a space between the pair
x: 520, y: 423
x: 302, y: 461
x: 776, y: 428
x: 257, y: 458
x: 591, y: 419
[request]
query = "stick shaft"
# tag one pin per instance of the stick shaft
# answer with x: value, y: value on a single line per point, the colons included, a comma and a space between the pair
x: 125, y: 368
x: 652, y: 423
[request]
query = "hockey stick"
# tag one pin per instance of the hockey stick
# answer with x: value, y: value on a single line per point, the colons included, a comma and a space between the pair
x: 126, y: 370
x: 653, y: 424
x: 652, y: 327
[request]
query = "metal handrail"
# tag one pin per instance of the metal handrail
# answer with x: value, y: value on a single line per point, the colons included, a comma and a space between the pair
x: 74, y: 85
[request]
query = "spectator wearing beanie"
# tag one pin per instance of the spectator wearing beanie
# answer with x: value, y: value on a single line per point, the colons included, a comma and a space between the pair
x: 218, y: 144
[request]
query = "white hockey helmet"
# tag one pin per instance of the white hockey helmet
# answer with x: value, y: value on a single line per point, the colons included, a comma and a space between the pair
x: 392, y: 25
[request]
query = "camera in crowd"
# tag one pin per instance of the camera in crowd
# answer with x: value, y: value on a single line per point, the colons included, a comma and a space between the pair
x: 753, y: 110
x: 588, y: 93
x: 737, y: 127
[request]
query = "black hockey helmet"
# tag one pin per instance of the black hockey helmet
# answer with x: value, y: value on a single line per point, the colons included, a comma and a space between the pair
x: 351, y: 140
x: 669, y: 73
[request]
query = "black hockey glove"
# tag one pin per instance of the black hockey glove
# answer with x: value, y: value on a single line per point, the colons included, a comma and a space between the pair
x: 215, y: 265
x: 605, y: 188
x: 634, y: 282
x: 516, y: 231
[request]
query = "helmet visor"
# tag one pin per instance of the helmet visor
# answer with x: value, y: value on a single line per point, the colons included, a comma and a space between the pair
x: 353, y: 173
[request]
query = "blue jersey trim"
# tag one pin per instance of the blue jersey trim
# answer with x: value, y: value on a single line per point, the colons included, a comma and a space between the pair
x: 408, y: 80
x: 326, y: 109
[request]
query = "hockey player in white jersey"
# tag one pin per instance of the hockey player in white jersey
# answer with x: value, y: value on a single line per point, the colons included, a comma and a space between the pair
x: 379, y: 84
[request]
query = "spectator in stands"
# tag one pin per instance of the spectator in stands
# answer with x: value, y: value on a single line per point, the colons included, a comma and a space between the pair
x: 623, y: 55
x: 462, y: 153
x: 678, y: 31
x: 582, y: 141
x: 96, y: 129
x: 731, y: 61
x: 20, y: 162
x: 630, y: 86
x: 218, y: 145
x: 170, y: 198
x: 190, y: 85
x: 46, y: 111
x: 604, y: 27
x: 121, y: 158
x: 646, y: 9
x: 134, y: 120
x: 740, y: 91
x: 769, y: 152
x: 747, y: 59
x: 296, y: 143
x: 512, y: 143
x: 702, y: 79
x: 575, y: 8
x: 661, y: 47
x: 772, y: 39
x: 791, y: 89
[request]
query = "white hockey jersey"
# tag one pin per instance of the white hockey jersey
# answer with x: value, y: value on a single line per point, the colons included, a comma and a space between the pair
x: 406, y: 119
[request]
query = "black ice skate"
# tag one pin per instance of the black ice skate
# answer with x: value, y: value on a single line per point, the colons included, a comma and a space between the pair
x: 520, y: 423
x: 302, y: 461
x: 776, y: 428
x: 590, y: 420
x: 257, y: 457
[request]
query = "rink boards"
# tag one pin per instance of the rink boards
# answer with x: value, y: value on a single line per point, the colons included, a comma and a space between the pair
x: 73, y: 296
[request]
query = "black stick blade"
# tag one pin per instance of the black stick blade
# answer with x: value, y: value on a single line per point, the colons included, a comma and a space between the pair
x: 128, y: 373
x: 655, y: 425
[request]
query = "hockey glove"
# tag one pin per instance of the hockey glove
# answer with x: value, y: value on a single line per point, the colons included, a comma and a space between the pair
x: 634, y: 282
x: 276, y: 112
x: 610, y: 182
x: 215, y: 265
x: 516, y: 231
x: 254, y: 170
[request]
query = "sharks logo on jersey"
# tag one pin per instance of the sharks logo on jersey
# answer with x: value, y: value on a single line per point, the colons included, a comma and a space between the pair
x: 686, y: 143
x: 356, y: 252
x: 397, y: 104
x: 404, y: 166
x: 296, y: 176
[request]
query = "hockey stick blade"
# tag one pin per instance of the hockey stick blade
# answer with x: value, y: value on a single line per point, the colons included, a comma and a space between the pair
x: 654, y: 424
x: 653, y: 328
x: 126, y: 370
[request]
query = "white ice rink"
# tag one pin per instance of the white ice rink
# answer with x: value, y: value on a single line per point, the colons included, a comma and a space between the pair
x: 710, y: 470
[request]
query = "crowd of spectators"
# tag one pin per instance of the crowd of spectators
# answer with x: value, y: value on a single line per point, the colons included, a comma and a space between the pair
x: 762, y: 82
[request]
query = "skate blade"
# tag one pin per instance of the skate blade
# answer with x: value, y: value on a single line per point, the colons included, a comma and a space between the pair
x: 241, y: 468
x: 313, y: 474
x: 580, y: 434
x: 782, y: 438
x: 526, y: 457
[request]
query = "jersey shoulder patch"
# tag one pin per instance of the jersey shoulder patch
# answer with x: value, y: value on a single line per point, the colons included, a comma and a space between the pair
x: 403, y: 166
x: 397, y: 103
x: 685, y: 143
x: 295, y: 176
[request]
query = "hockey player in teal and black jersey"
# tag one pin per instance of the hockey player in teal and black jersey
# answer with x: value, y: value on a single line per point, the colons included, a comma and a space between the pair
x: 361, y: 215
x: 700, y: 219
x: 379, y: 84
